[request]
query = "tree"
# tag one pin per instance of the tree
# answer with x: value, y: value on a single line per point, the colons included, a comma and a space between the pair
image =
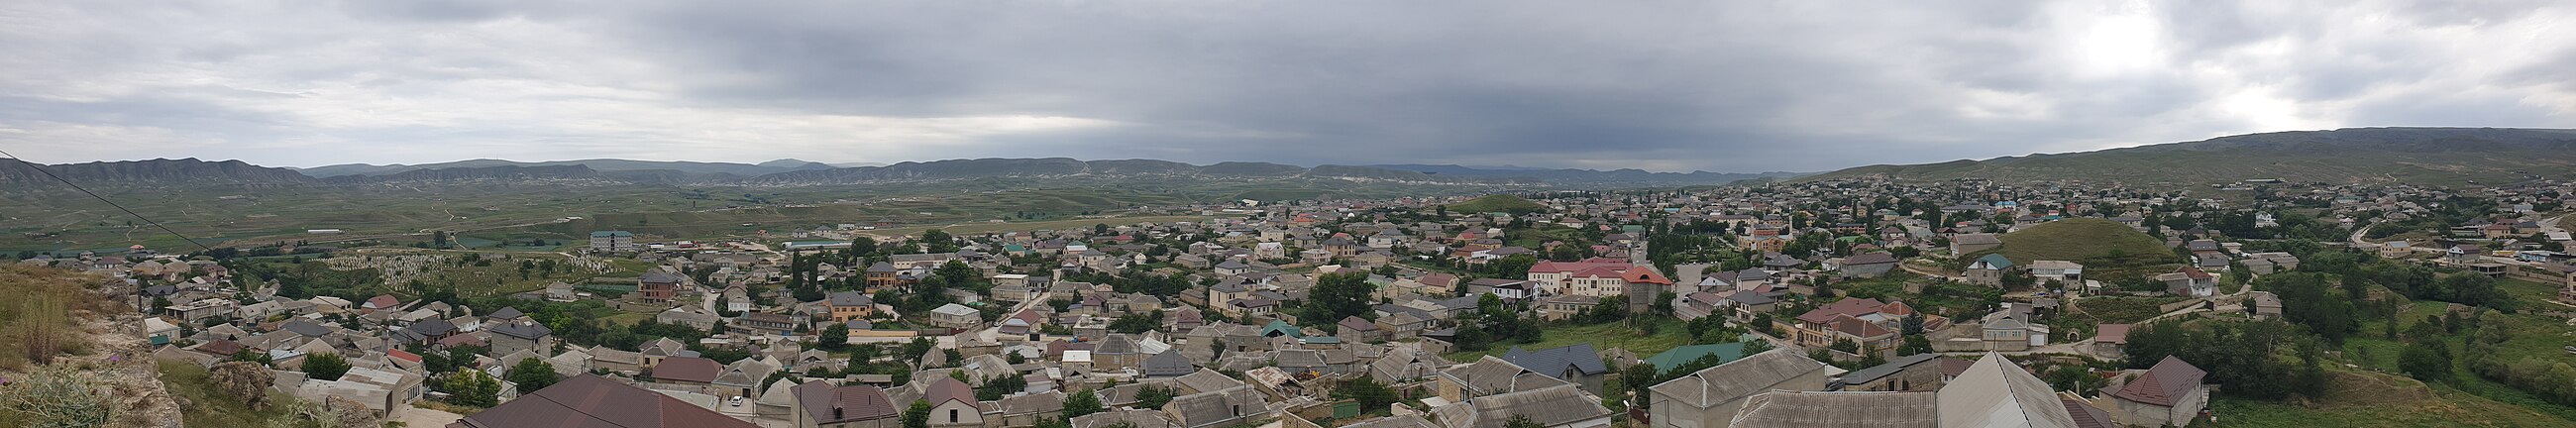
x: 1081, y: 403
x: 833, y: 338
x: 242, y: 380
x: 325, y: 366
x: 2430, y: 362
x: 1521, y: 421
x: 472, y: 388
x: 1153, y: 397
x: 1337, y: 296
x: 1370, y: 394
x: 917, y: 416
x: 532, y: 374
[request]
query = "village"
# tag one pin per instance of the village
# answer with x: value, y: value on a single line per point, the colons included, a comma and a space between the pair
x: 1850, y: 302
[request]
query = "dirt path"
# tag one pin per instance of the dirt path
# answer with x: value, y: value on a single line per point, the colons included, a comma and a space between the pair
x: 425, y: 417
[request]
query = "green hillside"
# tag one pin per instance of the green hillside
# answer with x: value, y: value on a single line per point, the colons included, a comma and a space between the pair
x: 2098, y: 244
x: 2429, y: 156
x: 1497, y: 203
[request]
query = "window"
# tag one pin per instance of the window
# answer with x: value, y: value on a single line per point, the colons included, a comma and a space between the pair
x: 952, y: 415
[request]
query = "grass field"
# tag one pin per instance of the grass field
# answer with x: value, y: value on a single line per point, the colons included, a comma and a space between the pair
x: 2534, y: 336
x: 981, y: 228
x: 1669, y: 333
x: 2532, y: 295
x: 2118, y: 310
x: 2367, y: 399
x: 2102, y: 246
x: 208, y: 408
x: 1497, y: 204
x: 64, y: 221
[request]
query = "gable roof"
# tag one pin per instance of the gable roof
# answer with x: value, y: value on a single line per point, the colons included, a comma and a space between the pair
x: 1994, y: 392
x: 590, y: 401
x: 1553, y: 362
x: 1738, y: 378
x: 1791, y: 409
x: 1550, y: 406
x: 687, y: 369
x: 1850, y: 307
x: 855, y: 402
x: 2163, y: 384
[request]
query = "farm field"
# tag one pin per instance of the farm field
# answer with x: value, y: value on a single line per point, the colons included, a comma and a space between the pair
x: 1668, y: 333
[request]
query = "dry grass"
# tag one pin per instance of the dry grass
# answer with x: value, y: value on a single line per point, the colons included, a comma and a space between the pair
x: 44, y: 310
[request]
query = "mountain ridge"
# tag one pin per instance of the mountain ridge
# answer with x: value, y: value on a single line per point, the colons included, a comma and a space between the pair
x: 2418, y: 155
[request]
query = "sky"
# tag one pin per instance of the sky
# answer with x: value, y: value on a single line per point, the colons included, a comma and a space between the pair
x: 1728, y: 86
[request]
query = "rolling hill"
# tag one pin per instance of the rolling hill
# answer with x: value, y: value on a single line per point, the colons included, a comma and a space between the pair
x: 2428, y: 156
x: 2098, y: 244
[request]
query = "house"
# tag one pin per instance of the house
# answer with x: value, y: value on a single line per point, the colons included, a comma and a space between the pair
x: 658, y: 286
x: 1578, y: 364
x: 2111, y: 339
x: 1508, y: 289
x: 693, y: 374
x: 1967, y: 243
x: 1800, y: 409
x: 1643, y: 286
x: 2061, y: 271
x: 2263, y: 305
x: 1911, y: 373
x: 386, y: 392
x: 1561, y: 406
x: 1489, y: 376
x: 849, y: 305
x: 2189, y: 282
x: 953, y: 316
x: 1565, y: 307
x: 1871, y: 324
x: 516, y: 336
x: 1225, y: 407
x: 952, y: 403
x: 1871, y: 265
x: 1028, y: 409
x: 764, y: 322
x: 1711, y: 397
x: 821, y: 405
x: 1354, y: 329
x: 1994, y: 392
x: 1988, y: 271
x: 2170, y: 393
x: 593, y: 401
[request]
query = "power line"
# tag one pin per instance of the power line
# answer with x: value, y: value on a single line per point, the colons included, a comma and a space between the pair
x: 41, y: 169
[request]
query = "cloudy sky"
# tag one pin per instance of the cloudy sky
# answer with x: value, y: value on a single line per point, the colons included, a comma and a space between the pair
x: 1659, y: 85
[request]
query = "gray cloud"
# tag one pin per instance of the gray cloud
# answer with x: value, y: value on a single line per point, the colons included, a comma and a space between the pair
x: 1660, y: 85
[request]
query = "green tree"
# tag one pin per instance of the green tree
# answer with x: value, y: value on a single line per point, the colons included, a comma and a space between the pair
x: 1081, y: 403
x: 472, y: 388
x: 1370, y: 394
x: 833, y: 338
x: 325, y: 366
x: 2430, y: 362
x: 1153, y: 397
x: 917, y: 416
x: 532, y: 374
x: 1336, y: 296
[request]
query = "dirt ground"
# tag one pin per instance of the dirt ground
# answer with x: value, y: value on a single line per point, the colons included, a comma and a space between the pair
x: 425, y: 417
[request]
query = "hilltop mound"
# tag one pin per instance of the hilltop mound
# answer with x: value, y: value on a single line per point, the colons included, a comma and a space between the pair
x: 2096, y: 243
x: 1497, y: 204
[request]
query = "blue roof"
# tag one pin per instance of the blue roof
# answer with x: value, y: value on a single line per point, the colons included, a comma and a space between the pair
x: 1281, y: 327
x: 1997, y: 260
x: 1553, y: 362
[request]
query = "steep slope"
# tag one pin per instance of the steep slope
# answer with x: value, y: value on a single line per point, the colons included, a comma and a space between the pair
x: 156, y: 171
x: 2437, y: 156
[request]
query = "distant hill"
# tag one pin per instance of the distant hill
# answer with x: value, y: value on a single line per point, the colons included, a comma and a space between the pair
x: 1497, y: 204
x: 151, y: 171
x: 2098, y: 244
x: 967, y: 169
x: 688, y: 168
x: 500, y: 173
x: 2432, y: 156
x: 1586, y: 177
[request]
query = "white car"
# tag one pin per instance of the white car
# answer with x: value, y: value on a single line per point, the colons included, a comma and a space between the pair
x: 737, y: 401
